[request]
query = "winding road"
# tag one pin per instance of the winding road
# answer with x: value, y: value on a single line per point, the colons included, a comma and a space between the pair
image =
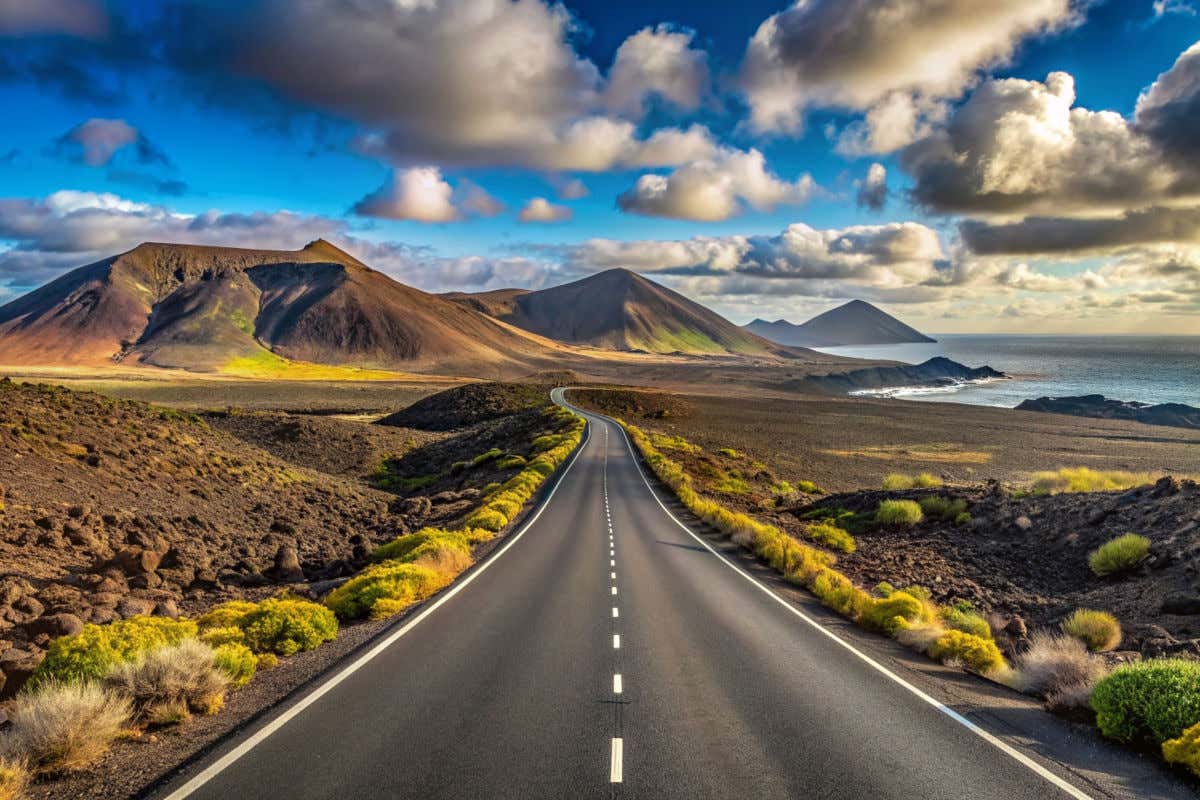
x: 606, y: 650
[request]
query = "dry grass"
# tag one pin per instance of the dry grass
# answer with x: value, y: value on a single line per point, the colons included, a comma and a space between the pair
x: 268, y: 365
x: 1055, y: 663
x: 64, y: 727
x: 14, y: 779
x: 936, y: 453
x: 1085, y: 479
x: 167, y: 683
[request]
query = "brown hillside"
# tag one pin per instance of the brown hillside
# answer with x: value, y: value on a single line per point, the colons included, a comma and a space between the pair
x: 621, y: 310
x: 200, y: 307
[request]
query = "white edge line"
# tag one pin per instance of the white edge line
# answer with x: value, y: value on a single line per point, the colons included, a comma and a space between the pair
x: 998, y: 743
x: 221, y: 764
x: 616, y: 768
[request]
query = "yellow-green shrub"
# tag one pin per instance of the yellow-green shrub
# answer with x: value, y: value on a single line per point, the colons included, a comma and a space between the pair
x: 897, y: 481
x: 237, y: 662
x: 1119, y: 554
x: 282, y: 625
x: 837, y: 591
x: 1184, y: 750
x: 891, y: 613
x: 412, y: 546
x: 927, y: 481
x: 230, y: 634
x: 942, y: 507
x: 898, y: 512
x: 978, y: 653
x: 1099, y: 630
x: 962, y: 617
x: 91, y: 653
x: 385, y: 589
x: 488, y: 519
x: 833, y: 536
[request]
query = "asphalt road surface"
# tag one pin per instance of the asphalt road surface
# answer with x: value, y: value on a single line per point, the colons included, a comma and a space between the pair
x: 606, y: 651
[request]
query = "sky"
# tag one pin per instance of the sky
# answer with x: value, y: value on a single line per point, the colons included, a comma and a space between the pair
x: 1015, y: 166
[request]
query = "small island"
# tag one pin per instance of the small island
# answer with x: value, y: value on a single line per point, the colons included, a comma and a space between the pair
x: 1175, y: 415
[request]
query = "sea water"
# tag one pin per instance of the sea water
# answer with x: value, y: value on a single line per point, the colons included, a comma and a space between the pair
x: 1150, y: 369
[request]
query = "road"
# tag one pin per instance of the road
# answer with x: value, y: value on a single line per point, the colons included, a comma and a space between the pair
x: 606, y: 651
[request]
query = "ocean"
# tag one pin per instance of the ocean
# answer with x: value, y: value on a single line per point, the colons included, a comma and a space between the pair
x: 1150, y: 369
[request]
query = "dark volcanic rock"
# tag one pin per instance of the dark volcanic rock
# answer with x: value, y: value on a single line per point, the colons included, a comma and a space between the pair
x: 937, y: 371
x: 1175, y: 415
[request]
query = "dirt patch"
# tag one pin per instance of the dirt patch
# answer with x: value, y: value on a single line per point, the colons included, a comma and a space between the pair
x: 469, y: 405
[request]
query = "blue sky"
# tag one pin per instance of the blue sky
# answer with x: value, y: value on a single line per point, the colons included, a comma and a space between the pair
x: 205, y: 126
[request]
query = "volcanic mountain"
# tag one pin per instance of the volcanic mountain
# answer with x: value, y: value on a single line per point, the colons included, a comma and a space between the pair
x: 620, y: 310
x: 855, y: 323
x: 201, y: 308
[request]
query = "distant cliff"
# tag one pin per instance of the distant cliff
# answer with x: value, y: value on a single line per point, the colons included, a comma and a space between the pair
x: 932, y: 373
x: 1175, y: 415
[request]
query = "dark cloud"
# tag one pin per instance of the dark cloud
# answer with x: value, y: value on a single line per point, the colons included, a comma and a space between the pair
x: 1067, y: 235
x: 872, y: 189
x: 1169, y: 111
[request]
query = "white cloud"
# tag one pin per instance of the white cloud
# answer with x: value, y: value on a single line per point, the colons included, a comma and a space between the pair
x: 889, y: 56
x: 474, y: 199
x: 1020, y: 147
x: 872, y: 189
x: 539, y: 209
x: 715, y: 189
x: 657, y: 62
x: 570, y: 188
x: 419, y: 193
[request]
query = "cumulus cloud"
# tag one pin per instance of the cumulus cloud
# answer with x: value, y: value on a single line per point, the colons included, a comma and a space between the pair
x: 539, y: 209
x: 85, y: 19
x: 419, y: 193
x: 715, y: 189
x: 457, y: 82
x: 1020, y: 147
x: 657, y: 62
x: 570, y: 188
x: 872, y: 189
x: 476, y: 200
x: 889, y: 255
x: 892, y: 55
x: 1168, y: 112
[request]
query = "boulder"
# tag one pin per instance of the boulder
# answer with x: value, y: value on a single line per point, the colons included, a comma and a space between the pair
x: 133, y: 606
x: 136, y: 560
x: 287, y: 565
x: 54, y: 625
x: 18, y: 665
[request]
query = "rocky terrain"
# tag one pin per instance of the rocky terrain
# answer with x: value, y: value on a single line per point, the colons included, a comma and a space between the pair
x: 1176, y: 415
x: 1026, y: 557
x: 937, y: 371
x: 112, y: 508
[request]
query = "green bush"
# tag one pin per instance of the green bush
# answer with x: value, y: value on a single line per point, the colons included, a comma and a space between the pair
x: 836, y: 591
x: 1148, y: 702
x: 488, y: 518
x: 729, y: 452
x: 942, y: 507
x: 1119, y: 554
x: 385, y: 589
x: 898, y: 512
x: 832, y: 536
x: 1099, y: 630
x: 1084, y: 479
x: 808, y: 487
x: 976, y: 652
x: 927, y: 481
x: 890, y: 614
x: 962, y: 519
x: 282, y: 625
x: 96, y: 649
x: 237, y: 662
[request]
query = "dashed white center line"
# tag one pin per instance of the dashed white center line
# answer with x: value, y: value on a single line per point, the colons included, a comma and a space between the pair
x: 617, y: 683
x: 616, y: 641
x: 615, y: 772
x: 616, y: 612
x: 614, y: 590
x: 612, y: 576
x: 612, y: 563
